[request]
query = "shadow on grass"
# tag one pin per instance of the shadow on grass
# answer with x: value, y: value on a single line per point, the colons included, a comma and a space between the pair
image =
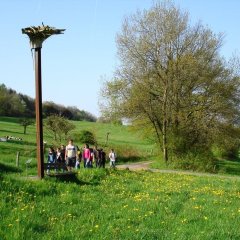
x: 9, y: 131
x: 131, y: 159
x: 73, y: 179
x: 229, y: 167
x: 9, y: 119
x: 8, y: 169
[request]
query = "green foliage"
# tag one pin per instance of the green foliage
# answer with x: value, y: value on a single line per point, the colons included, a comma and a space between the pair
x: 172, y: 81
x: 71, y: 113
x: 59, y: 126
x: 129, y: 146
x: 119, y: 137
x: 226, y: 142
x: 126, y: 153
x: 15, y: 104
x: 25, y: 122
x: 226, y: 152
x: 196, y: 161
x: 85, y: 136
x: 10, y: 102
x: 228, y: 167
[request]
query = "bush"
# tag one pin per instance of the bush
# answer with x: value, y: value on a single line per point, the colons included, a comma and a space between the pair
x: 228, y: 151
x: 126, y: 153
x: 85, y: 136
x: 196, y: 161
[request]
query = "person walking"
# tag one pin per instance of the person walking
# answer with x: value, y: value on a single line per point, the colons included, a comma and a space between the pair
x: 71, y: 155
x: 96, y: 156
x: 60, y: 159
x: 112, y: 157
x: 102, y: 158
x: 86, y: 156
x: 51, y: 158
x: 79, y: 157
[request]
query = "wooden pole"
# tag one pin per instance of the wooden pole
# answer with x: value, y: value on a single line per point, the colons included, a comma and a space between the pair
x: 38, y: 106
x: 17, y: 159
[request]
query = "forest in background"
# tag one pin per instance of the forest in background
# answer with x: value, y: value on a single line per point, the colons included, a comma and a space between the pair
x: 15, y: 104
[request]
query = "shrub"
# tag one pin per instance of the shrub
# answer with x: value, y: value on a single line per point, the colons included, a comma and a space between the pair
x: 228, y: 151
x: 85, y: 136
x: 126, y: 153
x: 196, y: 161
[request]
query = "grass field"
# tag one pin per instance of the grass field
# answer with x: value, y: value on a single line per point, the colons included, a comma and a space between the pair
x: 104, y: 204
x: 128, y: 145
x: 111, y: 204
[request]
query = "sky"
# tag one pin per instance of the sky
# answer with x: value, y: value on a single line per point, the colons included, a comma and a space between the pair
x: 74, y: 64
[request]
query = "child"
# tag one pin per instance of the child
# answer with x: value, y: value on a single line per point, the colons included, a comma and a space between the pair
x: 51, y: 158
x: 112, y: 156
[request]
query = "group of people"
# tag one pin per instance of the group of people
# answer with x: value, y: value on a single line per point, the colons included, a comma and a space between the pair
x: 71, y: 156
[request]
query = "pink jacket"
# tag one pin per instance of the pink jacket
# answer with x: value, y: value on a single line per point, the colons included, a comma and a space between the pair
x: 86, y: 153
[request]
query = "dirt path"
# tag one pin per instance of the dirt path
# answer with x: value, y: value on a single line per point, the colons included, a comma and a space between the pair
x: 146, y: 166
x: 135, y: 166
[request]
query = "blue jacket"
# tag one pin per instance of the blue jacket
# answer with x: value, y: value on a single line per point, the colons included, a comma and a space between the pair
x: 52, y: 157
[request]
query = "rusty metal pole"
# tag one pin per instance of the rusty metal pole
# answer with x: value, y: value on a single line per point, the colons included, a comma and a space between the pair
x: 37, y: 35
x: 38, y: 107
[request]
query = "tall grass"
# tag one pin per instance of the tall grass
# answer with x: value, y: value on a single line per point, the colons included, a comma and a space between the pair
x: 104, y: 204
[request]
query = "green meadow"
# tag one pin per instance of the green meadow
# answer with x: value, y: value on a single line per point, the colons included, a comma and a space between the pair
x: 112, y: 204
x: 129, y: 145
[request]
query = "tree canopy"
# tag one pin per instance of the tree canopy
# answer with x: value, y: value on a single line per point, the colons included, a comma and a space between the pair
x: 58, y: 126
x: 172, y: 81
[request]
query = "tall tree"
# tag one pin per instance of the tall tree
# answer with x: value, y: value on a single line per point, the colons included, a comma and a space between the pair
x: 171, y: 78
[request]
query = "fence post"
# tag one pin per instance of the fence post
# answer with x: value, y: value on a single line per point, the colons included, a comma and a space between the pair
x: 17, y: 159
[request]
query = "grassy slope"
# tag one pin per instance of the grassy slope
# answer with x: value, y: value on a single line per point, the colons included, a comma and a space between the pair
x: 119, y: 135
x: 103, y: 204
x: 124, y: 141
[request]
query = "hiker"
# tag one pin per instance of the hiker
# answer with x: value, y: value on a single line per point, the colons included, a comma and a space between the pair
x: 51, y: 158
x: 112, y: 157
x: 58, y: 155
x: 90, y: 165
x: 63, y: 150
x: 60, y: 159
x: 102, y: 158
x: 79, y: 157
x: 62, y: 153
x: 86, y: 156
x: 96, y: 156
x: 71, y: 155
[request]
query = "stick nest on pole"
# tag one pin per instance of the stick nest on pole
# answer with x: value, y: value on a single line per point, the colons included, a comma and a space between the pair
x: 40, y: 33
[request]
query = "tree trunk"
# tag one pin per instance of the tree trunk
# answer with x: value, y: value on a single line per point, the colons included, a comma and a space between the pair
x: 165, y: 148
x: 164, y: 129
